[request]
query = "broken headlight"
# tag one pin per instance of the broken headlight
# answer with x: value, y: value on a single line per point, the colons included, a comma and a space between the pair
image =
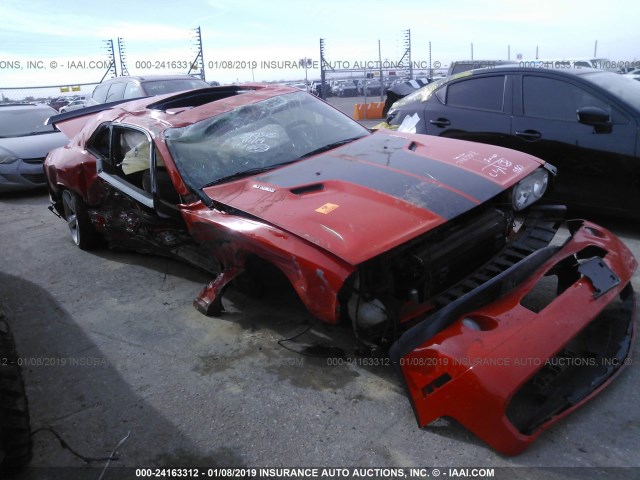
x: 530, y: 190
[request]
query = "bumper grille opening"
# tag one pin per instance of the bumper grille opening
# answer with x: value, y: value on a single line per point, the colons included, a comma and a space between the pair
x: 34, y: 161
x: 544, y: 292
x: 582, y: 366
x: 558, y: 279
x: 437, y: 383
x: 34, y: 177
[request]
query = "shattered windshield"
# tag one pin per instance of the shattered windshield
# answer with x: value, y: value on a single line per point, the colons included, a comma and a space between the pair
x: 258, y: 137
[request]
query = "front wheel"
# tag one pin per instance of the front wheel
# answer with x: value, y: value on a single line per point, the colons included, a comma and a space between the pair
x: 75, y: 213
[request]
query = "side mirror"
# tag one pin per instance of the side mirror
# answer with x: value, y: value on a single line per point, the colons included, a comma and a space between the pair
x: 595, y: 117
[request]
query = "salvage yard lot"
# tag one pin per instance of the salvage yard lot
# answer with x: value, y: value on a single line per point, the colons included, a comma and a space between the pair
x: 111, y: 344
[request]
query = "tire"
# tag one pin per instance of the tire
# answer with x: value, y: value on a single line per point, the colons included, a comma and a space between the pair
x: 15, y: 432
x: 75, y: 213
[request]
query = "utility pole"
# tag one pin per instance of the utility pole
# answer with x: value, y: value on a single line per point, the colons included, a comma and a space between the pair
x: 307, y: 63
x: 407, y: 52
x: 123, y: 56
x: 198, y: 62
x: 111, y: 57
x: 380, y: 64
x: 322, y: 70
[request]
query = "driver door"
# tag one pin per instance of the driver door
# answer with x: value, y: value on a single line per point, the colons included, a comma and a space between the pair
x: 139, y: 205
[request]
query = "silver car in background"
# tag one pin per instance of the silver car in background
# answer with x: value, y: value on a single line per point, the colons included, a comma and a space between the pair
x: 24, y: 143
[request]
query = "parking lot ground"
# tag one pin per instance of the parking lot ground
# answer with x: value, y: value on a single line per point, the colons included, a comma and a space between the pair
x: 111, y: 346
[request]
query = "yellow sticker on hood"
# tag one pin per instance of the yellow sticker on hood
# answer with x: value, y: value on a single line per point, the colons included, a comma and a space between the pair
x: 327, y: 208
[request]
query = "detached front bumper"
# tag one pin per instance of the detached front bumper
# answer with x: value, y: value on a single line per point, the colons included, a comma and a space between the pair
x: 508, y: 363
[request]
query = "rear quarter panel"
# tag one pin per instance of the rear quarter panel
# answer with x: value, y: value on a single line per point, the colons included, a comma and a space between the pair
x: 72, y: 168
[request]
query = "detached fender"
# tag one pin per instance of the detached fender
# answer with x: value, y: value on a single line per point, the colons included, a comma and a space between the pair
x: 72, y: 169
x: 316, y: 276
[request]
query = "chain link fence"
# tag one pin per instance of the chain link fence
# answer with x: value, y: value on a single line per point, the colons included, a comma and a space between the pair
x: 46, y: 94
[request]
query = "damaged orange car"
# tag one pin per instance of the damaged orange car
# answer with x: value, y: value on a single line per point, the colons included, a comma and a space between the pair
x: 411, y: 239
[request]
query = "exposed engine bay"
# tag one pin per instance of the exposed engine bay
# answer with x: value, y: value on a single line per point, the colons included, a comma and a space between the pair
x: 390, y: 291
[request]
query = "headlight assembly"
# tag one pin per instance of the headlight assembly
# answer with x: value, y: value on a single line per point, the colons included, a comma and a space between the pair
x: 530, y: 190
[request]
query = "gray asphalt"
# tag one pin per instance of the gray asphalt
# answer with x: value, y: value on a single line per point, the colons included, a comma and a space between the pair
x: 111, y: 345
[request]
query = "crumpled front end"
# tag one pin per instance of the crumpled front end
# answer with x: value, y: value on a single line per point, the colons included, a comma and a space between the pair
x: 550, y: 329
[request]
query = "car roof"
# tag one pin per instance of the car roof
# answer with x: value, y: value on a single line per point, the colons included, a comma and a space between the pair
x: 516, y: 68
x: 492, y: 61
x: 146, y: 78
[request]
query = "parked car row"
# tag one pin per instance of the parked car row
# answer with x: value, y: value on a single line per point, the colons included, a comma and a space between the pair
x: 74, y: 105
x: 62, y: 104
x: 345, y: 88
x: 348, y: 87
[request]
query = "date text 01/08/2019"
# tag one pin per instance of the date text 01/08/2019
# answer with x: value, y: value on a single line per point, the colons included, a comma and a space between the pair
x: 313, y: 64
x: 314, y: 472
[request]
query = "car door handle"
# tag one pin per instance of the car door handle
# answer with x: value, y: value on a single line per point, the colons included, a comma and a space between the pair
x: 530, y: 135
x: 440, y: 122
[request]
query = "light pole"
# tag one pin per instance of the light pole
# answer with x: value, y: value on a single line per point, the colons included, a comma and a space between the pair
x: 306, y: 62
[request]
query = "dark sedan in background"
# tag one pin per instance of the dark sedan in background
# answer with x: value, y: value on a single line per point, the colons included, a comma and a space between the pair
x: 583, y: 121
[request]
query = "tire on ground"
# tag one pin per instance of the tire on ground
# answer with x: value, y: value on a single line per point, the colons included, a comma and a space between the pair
x: 75, y: 212
x: 15, y: 431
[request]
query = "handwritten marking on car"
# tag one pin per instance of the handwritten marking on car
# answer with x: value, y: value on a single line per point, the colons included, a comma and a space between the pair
x: 256, y: 141
x: 498, y: 166
x: 464, y: 157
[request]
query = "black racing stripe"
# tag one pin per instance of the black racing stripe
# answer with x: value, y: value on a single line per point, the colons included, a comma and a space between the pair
x: 389, y: 151
x: 322, y: 168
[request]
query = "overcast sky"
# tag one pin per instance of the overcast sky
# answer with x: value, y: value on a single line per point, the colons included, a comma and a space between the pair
x: 250, y: 30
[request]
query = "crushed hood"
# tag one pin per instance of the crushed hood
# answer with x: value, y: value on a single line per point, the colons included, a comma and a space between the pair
x: 378, y: 192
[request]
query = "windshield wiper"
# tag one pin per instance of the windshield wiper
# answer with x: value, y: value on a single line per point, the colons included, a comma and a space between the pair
x: 38, y: 133
x: 233, y: 176
x: 330, y: 146
x: 253, y: 171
